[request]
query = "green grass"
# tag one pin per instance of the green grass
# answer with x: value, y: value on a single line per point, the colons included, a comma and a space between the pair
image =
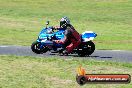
x: 53, y: 72
x: 22, y: 20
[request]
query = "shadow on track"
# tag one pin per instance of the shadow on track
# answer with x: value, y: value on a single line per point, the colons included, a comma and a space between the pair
x: 75, y: 55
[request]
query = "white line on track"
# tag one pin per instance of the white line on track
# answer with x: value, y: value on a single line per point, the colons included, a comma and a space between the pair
x: 3, y: 46
x: 116, y: 50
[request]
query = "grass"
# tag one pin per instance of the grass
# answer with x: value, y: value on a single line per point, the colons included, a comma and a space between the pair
x: 53, y: 72
x: 22, y: 20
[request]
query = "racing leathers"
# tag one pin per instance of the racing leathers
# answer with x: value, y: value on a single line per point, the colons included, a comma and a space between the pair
x: 72, y: 36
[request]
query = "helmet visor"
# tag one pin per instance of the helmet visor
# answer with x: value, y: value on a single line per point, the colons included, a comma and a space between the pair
x: 62, y: 24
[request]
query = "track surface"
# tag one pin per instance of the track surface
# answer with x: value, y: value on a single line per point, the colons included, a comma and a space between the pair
x: 113, y: 55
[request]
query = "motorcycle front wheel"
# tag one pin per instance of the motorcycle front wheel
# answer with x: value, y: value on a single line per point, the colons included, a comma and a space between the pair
x: 37, y: 48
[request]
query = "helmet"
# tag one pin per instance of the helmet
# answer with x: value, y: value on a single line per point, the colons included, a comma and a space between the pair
x: 64, y: 22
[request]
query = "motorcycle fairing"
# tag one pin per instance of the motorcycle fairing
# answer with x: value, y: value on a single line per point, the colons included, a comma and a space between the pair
x: 48, y: 33
x: 88, y: 36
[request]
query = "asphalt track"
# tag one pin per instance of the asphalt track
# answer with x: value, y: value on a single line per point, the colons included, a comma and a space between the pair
x: 101, y: 55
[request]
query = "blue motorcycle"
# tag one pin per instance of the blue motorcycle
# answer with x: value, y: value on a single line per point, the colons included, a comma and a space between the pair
x: 45, y: 42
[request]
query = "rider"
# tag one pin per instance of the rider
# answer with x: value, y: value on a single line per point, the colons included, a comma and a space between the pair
x: 70, y: 35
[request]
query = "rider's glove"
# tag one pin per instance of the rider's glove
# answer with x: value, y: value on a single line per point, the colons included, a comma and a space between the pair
x: 56, y: 27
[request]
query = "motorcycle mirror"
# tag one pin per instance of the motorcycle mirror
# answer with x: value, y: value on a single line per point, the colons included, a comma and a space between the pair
x: 47, y: 22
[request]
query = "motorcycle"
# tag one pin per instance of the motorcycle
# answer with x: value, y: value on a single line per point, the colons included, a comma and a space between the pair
x: 45, y: 42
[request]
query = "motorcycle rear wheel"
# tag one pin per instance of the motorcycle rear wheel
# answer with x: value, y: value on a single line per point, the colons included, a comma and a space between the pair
x: 87, y: 49
x: 36, y: 48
